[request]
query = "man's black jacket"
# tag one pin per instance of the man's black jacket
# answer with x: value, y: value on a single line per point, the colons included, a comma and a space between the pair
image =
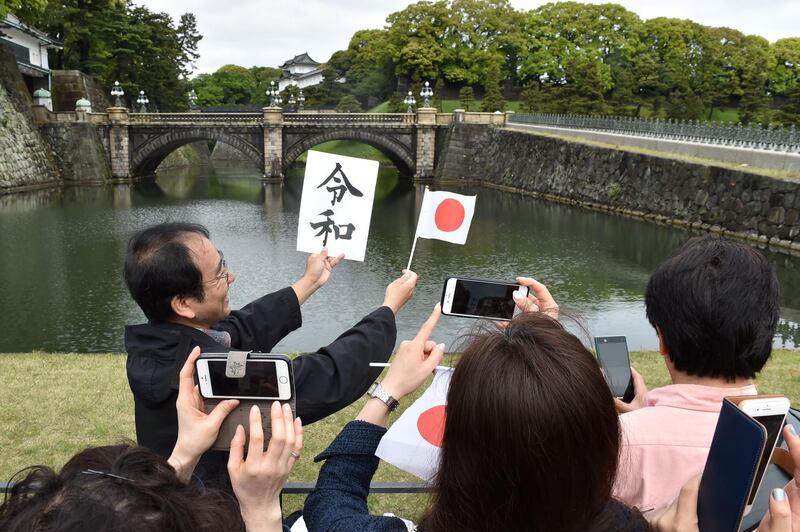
x: 325, y: 381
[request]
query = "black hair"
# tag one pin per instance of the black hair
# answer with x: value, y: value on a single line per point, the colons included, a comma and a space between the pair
x: 117, y: 487
x: 159, y: 266
x: 715, y: 305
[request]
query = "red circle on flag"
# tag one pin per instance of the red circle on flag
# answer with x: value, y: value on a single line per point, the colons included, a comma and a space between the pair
x: 430, y: 425
x: 449, y: 215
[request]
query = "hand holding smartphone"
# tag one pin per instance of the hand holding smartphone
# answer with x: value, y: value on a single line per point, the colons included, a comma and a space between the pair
x: 612, y: 353
x: 266, y: 378
x: 739, y: 453
x: 479, y: 298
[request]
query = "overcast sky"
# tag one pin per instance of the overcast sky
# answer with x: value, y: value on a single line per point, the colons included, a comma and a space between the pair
x: 266, y: 32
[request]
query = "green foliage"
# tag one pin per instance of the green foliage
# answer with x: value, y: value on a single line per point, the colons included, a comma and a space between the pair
x: 349, y: 104
x: 466, y: 98
x: 493, y: 99
x: 115, y: 40
x: 27, y: 10
x: 235, y: 85
x: 438, y: 89
x: 396, y: 104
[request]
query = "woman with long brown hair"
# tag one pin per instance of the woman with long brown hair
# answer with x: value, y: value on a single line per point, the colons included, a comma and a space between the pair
x: 531, y: 439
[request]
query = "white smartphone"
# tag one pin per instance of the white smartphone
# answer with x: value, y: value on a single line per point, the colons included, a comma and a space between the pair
x: 477, y: 298
x: 264, y: 380
x: 771, y: 413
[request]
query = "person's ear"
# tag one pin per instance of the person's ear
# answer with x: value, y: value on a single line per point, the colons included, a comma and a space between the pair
x: 662, y: 347
x: 183, y: 307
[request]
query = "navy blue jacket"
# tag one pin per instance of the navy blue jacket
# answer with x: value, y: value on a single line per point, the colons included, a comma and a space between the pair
x: 325, y: 381
x: 339, y: 502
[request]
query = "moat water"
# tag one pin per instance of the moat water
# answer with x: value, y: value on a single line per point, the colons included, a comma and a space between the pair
x: 62, y: 253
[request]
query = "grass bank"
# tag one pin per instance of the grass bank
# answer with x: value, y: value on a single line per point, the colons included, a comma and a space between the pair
x: 55, y: 405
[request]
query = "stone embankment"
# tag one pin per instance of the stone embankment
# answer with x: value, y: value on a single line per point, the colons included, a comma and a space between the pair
x: 26, y: 159
x: 187, y: 155
x: 722, y: 200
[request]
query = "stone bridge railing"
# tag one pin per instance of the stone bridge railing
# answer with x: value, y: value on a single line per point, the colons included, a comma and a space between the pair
x: 718, y: 133
x: 196, y: 119
x: 349, y: 118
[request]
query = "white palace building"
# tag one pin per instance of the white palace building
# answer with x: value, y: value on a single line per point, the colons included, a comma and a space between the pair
x: 301, y: 71
x: 29, y: 45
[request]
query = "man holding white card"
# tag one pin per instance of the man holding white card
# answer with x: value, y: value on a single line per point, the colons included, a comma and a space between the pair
x: 181, y: 282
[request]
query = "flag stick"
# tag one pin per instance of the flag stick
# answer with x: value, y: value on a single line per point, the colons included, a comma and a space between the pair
x: 413, y: 247
x: 416, y: 232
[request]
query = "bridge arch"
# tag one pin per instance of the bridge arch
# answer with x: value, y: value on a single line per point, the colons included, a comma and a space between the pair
x: 146, y: 158
x: 394, y: 150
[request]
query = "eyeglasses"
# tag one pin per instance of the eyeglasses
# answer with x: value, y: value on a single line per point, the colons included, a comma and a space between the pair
x: 223, y: 273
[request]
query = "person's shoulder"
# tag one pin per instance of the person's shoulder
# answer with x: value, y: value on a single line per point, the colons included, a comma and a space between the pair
x: 618, y: 517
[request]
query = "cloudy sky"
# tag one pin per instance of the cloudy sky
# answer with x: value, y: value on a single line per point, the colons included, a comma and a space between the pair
x: 267, y: 32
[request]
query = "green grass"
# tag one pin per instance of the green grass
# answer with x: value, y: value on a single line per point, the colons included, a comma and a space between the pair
x: 448, y: 106
x: 350, y: 148
x: 55, y: 405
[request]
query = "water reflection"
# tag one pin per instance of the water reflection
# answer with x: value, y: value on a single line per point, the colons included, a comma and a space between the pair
x: 63, y: 250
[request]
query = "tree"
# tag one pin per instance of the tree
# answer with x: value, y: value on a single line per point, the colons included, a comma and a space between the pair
x: 493, y: 98
x: 757, y: 62
x: 188, y: 37
x: 348, y: 104
x: 396, y: 104
x: 784, y: 79
x: 438, y: 89
x: 466, y: 98
x: 27, y: 10
x: 237, y: 83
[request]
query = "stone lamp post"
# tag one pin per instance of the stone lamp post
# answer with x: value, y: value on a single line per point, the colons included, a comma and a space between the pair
x: 274, y: 95
x: 192, y: 101
x: 142, y: 100
x: 117, y: 93
x: 410, y: 102
x: 426, y: 93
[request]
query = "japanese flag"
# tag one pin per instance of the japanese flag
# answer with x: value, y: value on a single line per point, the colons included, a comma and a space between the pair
x: 413, y: 442
x: 445, y: 216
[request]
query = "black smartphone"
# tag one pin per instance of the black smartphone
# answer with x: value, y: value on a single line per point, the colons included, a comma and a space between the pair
x: 479, y: 298
x: 729, y: 473
x: 612, y: 353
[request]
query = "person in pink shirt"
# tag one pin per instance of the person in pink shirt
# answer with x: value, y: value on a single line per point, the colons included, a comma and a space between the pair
x: 714, y: 304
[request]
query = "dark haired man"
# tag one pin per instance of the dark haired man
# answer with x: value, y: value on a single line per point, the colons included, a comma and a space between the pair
x: 181, y: 282
x: 714, y: 305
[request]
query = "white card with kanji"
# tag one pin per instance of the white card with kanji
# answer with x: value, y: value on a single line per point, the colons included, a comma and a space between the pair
x: 336, y: 206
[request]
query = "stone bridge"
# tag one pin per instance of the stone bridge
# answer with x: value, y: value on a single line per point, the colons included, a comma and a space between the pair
x: 137, y: 142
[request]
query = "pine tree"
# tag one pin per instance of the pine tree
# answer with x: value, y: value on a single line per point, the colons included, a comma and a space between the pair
x: 438, y: 89
x: 493, y: 99
x: 466, y: 98
x: 396, y: 103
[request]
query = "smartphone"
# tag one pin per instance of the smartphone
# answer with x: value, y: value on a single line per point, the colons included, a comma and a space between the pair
x: 733, y: 458
x: 770, y: 412
x: 612, y: 353
x: 264, y: 380
x: 476, y: 298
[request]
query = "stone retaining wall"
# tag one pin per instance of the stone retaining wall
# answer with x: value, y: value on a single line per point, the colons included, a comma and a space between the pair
x: 189, y: 154
x: 26, y: 160
x: 731, y: 202
x: 79, y: 151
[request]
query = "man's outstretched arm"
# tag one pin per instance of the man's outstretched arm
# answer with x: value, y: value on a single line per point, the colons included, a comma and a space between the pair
x: 337, y: 375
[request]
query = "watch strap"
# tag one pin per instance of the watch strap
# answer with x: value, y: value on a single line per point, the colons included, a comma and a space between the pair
x: 377, y: 391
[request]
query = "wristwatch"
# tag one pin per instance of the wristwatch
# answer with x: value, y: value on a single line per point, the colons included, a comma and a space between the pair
x: 377, y: 391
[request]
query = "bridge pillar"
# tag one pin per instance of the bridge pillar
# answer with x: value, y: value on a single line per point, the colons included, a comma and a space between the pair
x: 118, y: 149
x: 426, y: 142
x: 273, y: 143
